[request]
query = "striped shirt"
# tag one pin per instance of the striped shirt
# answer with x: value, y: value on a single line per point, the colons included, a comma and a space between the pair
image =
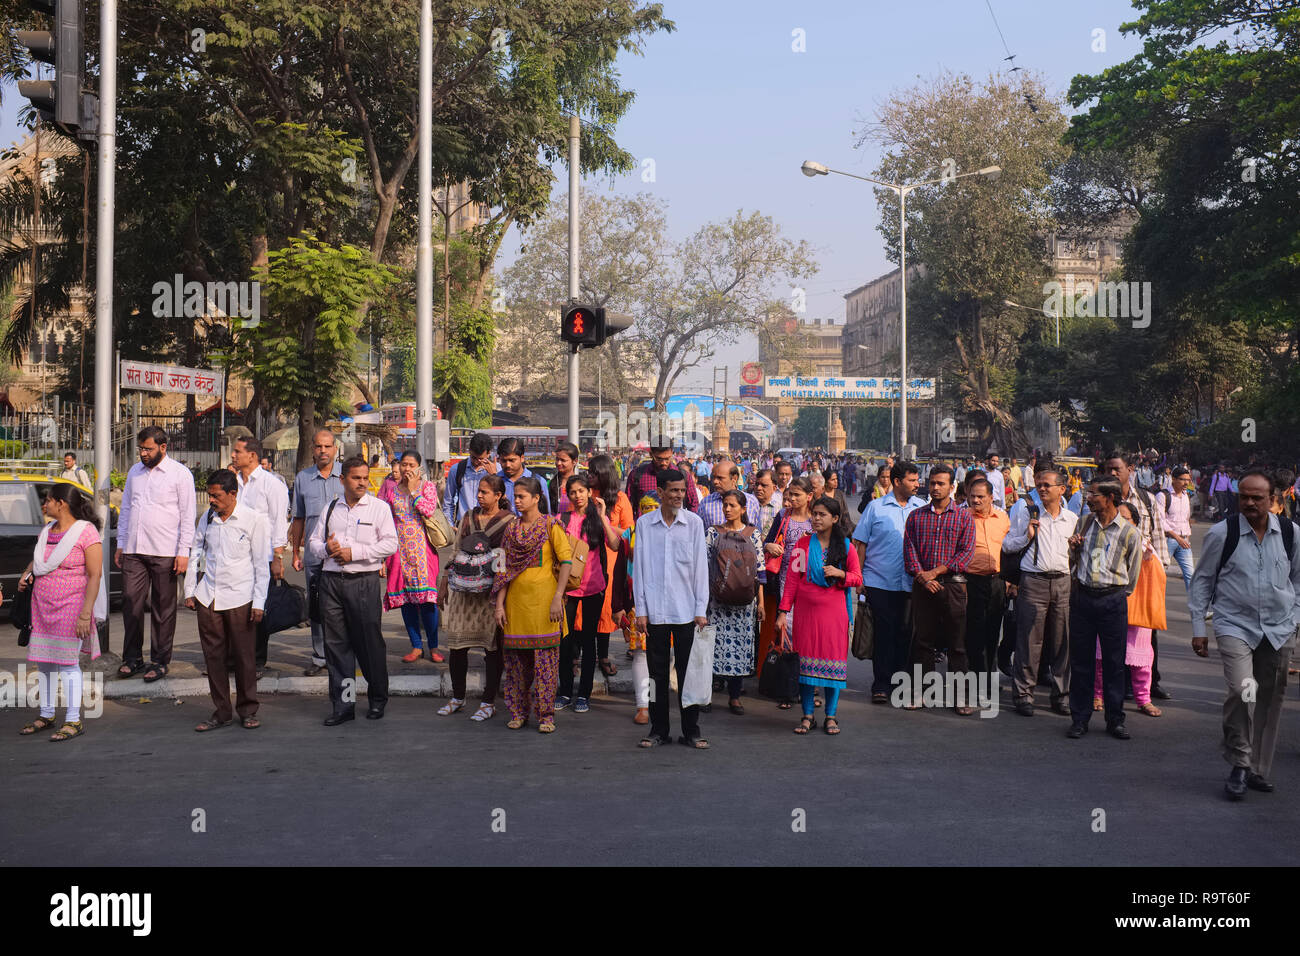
x: 1110, y: 555
x: 710, y: 510
x: 933, y: 538
x: 1151, y: 524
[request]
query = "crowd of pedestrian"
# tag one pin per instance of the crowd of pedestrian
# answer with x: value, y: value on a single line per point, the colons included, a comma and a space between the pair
x: 720, y: 567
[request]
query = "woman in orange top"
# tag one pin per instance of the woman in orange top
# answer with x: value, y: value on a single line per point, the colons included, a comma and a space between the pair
x: 603, y: 476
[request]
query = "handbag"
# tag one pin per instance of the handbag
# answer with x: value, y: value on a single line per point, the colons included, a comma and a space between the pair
x: 864, y: 632
x: 1146, y: 605
x: 773, y: 563
x: 578, y: 566
x: 286, y: 607
x: 780, y: 675
x: 697, y: 690
x: 438, y: 529
x: 20, y: 614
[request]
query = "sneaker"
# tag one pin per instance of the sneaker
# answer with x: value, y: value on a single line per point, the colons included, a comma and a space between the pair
x: 580, y: 706
x: 562, y: 702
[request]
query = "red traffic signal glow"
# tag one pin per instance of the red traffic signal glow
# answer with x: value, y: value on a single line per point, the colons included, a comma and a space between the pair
x: 580, y: 326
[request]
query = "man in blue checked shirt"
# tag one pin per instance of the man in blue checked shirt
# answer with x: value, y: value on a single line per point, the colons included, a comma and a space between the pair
x: 879, y: 542
x: 726, y: 477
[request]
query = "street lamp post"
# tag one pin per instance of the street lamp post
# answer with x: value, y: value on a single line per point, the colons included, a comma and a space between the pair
x: 810, y: 169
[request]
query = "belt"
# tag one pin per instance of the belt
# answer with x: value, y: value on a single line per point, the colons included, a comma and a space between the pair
x: 1047, y: 574
x: 1099, y: 592
x: 954, y: 577
x: 349, y: 574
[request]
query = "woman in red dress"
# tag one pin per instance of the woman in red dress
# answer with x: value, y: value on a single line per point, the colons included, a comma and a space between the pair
x: 822, y: 570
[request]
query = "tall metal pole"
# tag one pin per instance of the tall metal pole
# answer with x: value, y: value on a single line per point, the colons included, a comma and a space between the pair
x: 104, y: 266
x: 902, y: 311
x: 424, y: 250
x: 575, y: 129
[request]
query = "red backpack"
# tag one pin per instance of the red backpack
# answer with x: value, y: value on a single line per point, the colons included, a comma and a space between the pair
x: 734, y: 570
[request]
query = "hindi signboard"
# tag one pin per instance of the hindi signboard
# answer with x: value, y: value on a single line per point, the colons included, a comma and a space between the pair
x: 171, y: 378
x: 832, y: 387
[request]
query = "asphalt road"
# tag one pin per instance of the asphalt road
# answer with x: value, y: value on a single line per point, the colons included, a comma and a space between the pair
x: 895, y: 787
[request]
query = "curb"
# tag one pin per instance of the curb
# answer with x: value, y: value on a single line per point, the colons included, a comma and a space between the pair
x: 399, y: 685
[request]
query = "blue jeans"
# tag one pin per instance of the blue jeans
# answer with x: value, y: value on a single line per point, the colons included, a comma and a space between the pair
x: 413, y: 615
x: 1184, y: 558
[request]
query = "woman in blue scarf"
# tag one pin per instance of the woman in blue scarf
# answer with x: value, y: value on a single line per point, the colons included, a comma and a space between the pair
x: 822, y: 570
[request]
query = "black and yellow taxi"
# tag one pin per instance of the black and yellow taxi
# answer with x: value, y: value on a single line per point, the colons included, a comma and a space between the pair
x: 24, y: 484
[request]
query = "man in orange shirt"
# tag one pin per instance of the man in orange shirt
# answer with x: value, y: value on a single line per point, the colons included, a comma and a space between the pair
x: 986, y: 592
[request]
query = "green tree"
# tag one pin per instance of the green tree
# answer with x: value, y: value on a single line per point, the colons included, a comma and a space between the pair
x: 810, y: 427
x: 304, y: 349
x: 980, y: 240
x: 1212, y: 95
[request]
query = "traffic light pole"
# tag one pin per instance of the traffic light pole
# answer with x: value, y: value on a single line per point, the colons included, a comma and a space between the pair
x: 104, y: 269
x: 424, y: 251
x: 574, y: 171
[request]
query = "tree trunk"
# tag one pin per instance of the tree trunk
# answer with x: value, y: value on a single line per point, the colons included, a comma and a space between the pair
x: 306, y: 428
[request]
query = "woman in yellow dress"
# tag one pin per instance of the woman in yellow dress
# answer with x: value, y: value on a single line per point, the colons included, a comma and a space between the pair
x: 529, y: 595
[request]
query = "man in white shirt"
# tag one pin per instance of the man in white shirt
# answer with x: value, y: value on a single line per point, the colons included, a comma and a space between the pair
x: 1176, y: 504
x: 351, y: 540
x: 225, y: 583
x: 1043, y: 597
x: 155, y: 529
x: 671, y: 594
x: 72, y: 473
x: 994, y: 476
x: 260, y: 491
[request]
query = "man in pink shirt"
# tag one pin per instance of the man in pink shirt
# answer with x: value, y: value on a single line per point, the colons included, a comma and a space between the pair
x: 154, y: 532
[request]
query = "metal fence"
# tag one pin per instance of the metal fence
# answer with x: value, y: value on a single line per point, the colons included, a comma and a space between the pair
x: 51, y: 433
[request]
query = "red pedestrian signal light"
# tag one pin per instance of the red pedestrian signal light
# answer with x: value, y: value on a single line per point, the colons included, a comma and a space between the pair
x: 580, y: 326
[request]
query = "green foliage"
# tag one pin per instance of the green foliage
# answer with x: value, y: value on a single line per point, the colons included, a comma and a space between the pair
x: 872, y: 428
x: 12, y: 448
x: 1219, y: 230
x: 810, y: 427
x: 304, y: 349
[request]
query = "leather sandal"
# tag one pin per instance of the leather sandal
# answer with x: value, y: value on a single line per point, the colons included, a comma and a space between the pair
x: 806, y: 723
x: 37, y: 725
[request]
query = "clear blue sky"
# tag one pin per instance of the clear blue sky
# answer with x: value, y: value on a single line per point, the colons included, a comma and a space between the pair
x: 728, y: 110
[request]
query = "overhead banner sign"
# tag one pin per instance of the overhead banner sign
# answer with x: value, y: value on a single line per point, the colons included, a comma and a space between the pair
x: 796, y: 386
x: 171, y: 378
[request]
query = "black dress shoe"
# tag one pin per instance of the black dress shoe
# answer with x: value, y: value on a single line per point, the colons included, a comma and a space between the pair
x: 1118, y: 731
x: 374, y: 713
x: 1235, y: 788
x: 1259, y: 782
x: 1062, y: 706
x: 333, y: 720
x: 1024, y: 708
x: 1076, y: 731
x: 1159, y: 693
x: 314, y: 670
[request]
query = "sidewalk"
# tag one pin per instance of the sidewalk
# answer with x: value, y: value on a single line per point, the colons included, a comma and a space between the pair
x: 288, y: 655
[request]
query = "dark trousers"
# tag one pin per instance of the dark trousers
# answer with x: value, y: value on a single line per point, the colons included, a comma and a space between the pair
x: 350, y: 612
x: 940, y: 623
x: 148, y: 580
x: 229, y: 634
x: 1096, y: 618
x: 658, y: 652
x: 493, y: 664
x: 1042, y: 633
x: 986, y: 600
x: 583, y: 642
x: 893, y: 633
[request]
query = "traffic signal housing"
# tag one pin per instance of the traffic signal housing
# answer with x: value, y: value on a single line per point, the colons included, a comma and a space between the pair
x: 586, y: 327
x: 58, y: 100
x: 581, y: 326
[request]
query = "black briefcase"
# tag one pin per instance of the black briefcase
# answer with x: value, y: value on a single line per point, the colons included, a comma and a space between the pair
x: 286, y: 606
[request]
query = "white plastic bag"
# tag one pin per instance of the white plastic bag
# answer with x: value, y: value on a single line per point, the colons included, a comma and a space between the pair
x: 698, y: 689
